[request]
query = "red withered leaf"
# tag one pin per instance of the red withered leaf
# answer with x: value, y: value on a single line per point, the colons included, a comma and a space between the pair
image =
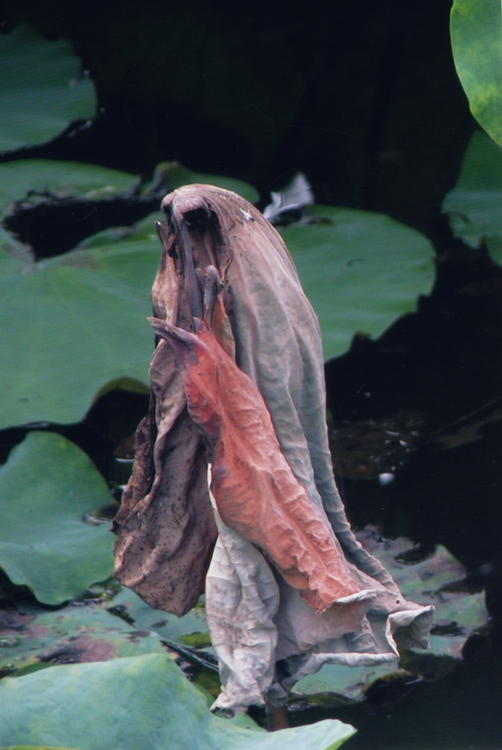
x: 255, y: 490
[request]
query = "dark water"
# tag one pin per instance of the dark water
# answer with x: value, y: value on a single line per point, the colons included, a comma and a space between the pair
x: 424, y: 403
x: 460, y: 712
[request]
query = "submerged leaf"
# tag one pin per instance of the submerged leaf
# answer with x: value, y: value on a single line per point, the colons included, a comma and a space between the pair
x: 432, y: 580
x: 107, y: 622
x: 70, y: 635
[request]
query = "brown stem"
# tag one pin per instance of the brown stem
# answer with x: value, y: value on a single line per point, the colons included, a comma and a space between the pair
x: 277, y: 718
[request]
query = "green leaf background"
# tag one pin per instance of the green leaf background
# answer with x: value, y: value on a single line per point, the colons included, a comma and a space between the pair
x: 47, y: 487
x: 73, y: 323
x: 132, y: 703
x: 474, y: 206
x: 476, y: 33
x: 360, y: 270
x: 41, y: 89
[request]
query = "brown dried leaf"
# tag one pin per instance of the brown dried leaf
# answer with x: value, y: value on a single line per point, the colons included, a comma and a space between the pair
x: 165, y: 527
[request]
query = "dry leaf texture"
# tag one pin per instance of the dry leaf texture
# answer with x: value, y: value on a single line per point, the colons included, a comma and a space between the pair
x: 247, y: 395
x: 255, y: 490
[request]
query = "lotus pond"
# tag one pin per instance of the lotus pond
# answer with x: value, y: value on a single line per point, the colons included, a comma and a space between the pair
x: 400, y: 255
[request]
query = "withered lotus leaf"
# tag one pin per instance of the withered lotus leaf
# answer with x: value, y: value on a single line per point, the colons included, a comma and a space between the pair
x: 255, y: 490
x: 165, y: 527
x: 286, y: 581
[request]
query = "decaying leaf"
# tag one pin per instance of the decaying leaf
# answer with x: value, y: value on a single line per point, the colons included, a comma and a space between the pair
x: 166, y: 530
x: 288, y: 586
x: 256, y: 492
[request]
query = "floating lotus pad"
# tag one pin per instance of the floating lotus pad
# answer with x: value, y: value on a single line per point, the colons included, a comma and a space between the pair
x: 130, y: 703
x: 42, y: 89
x: 46, y: 488
x: 360, y: 270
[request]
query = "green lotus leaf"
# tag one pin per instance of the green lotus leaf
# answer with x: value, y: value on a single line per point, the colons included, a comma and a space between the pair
x: 474, y: 204
x: 132, y: 703
x: 360, y: 270
x: 71, y: 324
x: 41, y: 89
x: 47, y: 487
x: 174, y: 175
x: 476, y: 34
x: 110, y: 621
x: 60, y: 179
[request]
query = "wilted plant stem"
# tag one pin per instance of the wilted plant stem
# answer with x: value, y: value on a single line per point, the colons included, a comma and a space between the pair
x: 277, y: 718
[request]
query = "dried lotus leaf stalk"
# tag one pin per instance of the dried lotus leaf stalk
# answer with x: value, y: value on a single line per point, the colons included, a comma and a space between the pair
x: 286, y: 579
